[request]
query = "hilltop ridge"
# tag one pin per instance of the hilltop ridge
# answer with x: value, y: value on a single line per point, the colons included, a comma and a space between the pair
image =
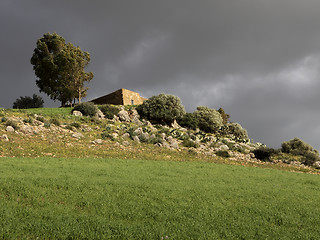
x: 59, y: 133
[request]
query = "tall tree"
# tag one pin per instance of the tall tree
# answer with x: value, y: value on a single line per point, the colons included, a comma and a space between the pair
x: 60, y: 68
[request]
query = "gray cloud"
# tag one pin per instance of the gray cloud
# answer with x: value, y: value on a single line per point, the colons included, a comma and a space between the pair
x: 257, y: 59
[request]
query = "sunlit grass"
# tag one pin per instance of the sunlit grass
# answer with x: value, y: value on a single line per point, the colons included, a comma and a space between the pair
x: 58, y: 198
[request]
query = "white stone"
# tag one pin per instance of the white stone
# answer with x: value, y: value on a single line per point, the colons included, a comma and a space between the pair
x: 97, y: 141
x: 77, y: 135
x: 77, y: 113
x: 124, y: 116
x: 10, y: 129
x: 100, y: 114
x: 136, y: 139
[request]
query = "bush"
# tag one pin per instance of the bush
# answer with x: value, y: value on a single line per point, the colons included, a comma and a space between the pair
x: 223, y: 153
x: 109, y: 110
x: 87, y: 109
x: 210, y: 120
x: 40, y: 119
x: 76, y: 125
x: 310, y: 158
x: 225, y: 117
x: 162, y: 109
x: 234, y: 129
x: 264, y: 153
x: 189, y: 120
x: 28, y: 102
x: 13, y: 124
x: 297, y: 147
x: 28, y: 120
x: 55, y: 121
x: 188, y: 143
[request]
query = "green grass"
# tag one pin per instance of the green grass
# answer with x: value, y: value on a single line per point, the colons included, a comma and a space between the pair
x: 56, y: 198
x: 50, y: 112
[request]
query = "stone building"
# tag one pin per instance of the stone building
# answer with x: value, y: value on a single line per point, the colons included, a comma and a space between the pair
x: 120, y: 97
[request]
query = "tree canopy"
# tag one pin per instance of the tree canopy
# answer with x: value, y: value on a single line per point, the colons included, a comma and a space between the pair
x: 59, y: 68
x: 28, y: 102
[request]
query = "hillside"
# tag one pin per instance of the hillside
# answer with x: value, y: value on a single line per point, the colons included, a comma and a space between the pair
x: 58, y: 133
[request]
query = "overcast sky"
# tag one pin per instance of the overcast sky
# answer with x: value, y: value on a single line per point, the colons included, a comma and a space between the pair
x: 257, y: 59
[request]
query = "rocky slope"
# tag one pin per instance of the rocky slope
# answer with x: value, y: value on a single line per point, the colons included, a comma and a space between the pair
x: 124, y: 132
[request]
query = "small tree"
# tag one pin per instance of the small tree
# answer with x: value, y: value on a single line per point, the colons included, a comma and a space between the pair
x: 163, y: 109
x: 297, y: 147
x: 210, y: 120
x: 189, y: 120
x: 225, y: 117
x: 234, y: 129
x: 59, y: 68
x: 28, y: 102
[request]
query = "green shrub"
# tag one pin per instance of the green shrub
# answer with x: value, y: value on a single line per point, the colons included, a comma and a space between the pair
x: 87, y: 109
x: 4, y: 119
x: 297, y: 147
x: 55, y: 121
x: 40, y: 118
x: 13, y: 124
x: 162, y: 109
x: 155, y: 140
x: 234, y: 129
x: 76, y: 125
x: 310, y: 158
x: 109, y: 110
x: 223, y: 153
x: 189, y: 120
x: 106, y: 135
x: 28, y: 120
x: 28, y: 102
x: 225, y: 117
x: 47, y: 125
x: 210, y: 120
x: 264, y: 153
x: 188, y: 143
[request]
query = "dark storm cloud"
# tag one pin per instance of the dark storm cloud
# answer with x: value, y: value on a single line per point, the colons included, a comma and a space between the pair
x: 257, y: 59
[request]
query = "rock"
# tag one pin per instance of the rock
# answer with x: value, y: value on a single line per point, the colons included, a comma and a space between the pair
x: 136, y: 139
x: 100, y: 114
x: 135, y: 117
x: 126, y: 135
x: 10, y: 129
x: 117, y: 144
x: 5, y: 138
x: 97, y: 141
x: 125, y: 143
x: 174, y: 145
x: 145, y: 136
x: 115, y: 135
x: 165, y: 144
x: 77, y: 113
x: 316, y: 164
x: 26, y: 129
x: 77, y: 135
x: 152, y: 136
x: 136, y: 121
x: 170, y: 139
x: 175, y: 124
x: 124, y: 116
x: 138, y: 131
x: 115, y: 118
x: 223, y: 148
x: 163, y: 135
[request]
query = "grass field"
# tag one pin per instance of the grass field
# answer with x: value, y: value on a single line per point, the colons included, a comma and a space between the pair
x: 56, y: 198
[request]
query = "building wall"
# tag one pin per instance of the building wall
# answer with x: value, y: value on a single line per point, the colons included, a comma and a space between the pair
x: 114, y: 98
x: 120, y: 97
x: 131, y: 98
